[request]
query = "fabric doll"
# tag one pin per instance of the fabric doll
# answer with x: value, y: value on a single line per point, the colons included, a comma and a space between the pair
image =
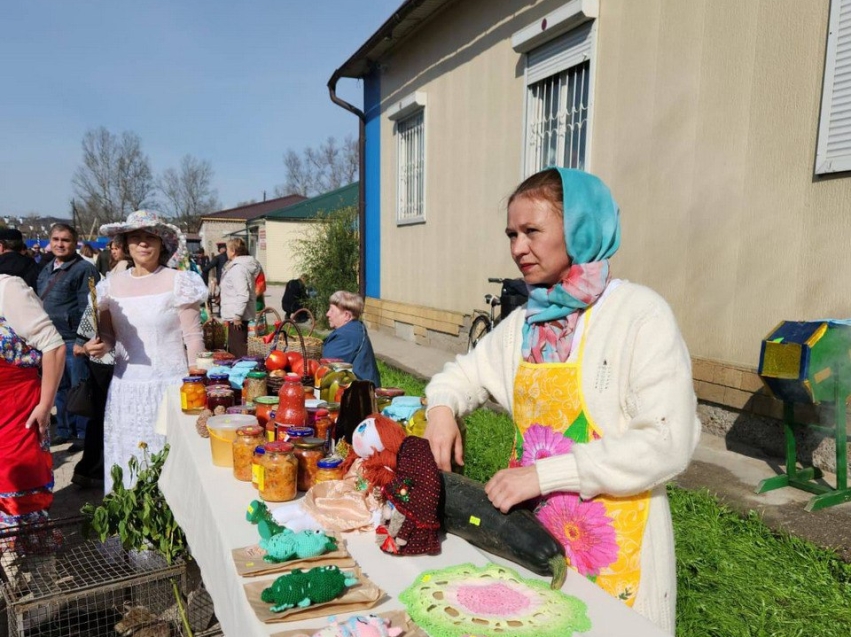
x: 415, y: 495
x: 354, y: 502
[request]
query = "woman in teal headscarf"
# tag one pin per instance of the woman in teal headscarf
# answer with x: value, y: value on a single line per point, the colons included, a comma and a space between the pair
x: 598, y: 380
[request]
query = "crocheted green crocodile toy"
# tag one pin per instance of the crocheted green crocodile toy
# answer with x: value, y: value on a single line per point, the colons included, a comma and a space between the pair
x: 318, y: 585
x: 287, y: 545
x: 259, y: 514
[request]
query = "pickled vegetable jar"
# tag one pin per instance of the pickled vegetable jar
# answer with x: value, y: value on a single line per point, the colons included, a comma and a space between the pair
x: 278, y: 478
x: 253, y: 386
x: 265, y: 404
x: 257, y: 465
x: 193, y: 395
x: 330, y: 468
x: 246, y: 441
x: 324, y: 427
x: 308, y: 452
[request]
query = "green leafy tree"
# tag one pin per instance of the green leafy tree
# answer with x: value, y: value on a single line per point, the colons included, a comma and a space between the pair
x: 328, y: 256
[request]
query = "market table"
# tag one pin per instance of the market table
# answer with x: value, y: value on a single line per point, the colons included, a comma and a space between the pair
x: 210, y: 505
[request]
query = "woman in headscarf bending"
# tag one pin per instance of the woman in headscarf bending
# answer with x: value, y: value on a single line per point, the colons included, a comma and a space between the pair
x: 598, y: 380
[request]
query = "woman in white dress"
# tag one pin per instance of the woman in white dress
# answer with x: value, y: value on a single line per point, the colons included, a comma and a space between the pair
x: 148, y: 313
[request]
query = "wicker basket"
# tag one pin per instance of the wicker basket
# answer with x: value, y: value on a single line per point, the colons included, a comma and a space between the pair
x: 284, y: 342
x: 257, y: 346
x: 215, y: 332
x: 288, y: 337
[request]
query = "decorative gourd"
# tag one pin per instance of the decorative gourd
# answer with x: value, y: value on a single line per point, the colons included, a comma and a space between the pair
x: 517, y: 535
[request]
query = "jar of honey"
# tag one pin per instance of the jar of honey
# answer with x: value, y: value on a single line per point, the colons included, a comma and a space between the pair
x: 204, y: 360
x: 253, y: 386
x: 291, y: 407
x: 278, y: 478
x: 308, y: 452
x: 219, y: 395
x: 330, y: 468
x: 246, y: 441
x: 193, y: 396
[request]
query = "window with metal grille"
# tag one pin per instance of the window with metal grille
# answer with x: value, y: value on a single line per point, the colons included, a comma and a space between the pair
x: 410, y: 132
x: 557, y: 120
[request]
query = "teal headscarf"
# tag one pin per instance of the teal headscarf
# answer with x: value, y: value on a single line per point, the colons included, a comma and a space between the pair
x: 592, y: 234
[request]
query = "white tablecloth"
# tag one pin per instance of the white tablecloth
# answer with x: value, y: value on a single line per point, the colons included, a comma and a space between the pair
x: 210, y: 505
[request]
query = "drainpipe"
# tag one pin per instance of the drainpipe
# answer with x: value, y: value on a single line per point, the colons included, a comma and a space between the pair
x: 332, y: 90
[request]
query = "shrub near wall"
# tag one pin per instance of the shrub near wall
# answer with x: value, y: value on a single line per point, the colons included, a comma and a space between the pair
x: 328, y: 256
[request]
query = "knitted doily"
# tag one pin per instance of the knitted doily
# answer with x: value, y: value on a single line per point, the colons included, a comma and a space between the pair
x: 491, y: 601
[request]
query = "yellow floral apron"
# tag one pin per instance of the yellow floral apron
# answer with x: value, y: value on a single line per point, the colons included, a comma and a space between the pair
x: 602, y: 536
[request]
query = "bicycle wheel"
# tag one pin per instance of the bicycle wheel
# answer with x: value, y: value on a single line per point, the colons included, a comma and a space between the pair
x: 481, y: 326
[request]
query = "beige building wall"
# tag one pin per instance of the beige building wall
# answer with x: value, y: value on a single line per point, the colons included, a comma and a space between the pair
x: 214, y: 232
x: 282, y: 249
x: 705, y: 120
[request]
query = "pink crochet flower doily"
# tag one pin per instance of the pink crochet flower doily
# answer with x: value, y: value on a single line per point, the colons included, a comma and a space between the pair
x: 491, y: 601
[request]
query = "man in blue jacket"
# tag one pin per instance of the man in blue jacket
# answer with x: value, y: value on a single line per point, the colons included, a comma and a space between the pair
x: 348, y: 340
x: 63, y: 286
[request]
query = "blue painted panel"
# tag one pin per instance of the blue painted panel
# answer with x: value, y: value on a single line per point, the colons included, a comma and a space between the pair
x: 372, y: 189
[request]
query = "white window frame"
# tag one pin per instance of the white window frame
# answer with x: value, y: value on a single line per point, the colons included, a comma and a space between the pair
x: 410, y: 107
x: 563, y: 39
x: 833, y: 150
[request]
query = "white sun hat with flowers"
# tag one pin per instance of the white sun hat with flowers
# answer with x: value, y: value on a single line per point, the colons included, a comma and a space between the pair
x: 174, y: 241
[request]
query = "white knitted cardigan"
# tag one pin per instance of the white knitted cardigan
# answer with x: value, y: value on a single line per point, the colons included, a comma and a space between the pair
x: 637, y: 383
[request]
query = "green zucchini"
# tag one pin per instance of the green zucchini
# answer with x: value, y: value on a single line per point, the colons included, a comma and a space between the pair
x: 517, y: 536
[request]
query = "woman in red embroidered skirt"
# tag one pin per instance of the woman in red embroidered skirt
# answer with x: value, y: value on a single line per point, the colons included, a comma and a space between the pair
x: 28, y: 343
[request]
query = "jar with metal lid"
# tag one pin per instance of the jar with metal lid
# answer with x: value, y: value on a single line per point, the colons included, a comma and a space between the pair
x: 329, y: 468
x: 324, y: 427
x: 290, y: 434
x: 204, y: 360
x: 246, y: 441
x: 278, y: 477
x: 308, y: 452
x: 257, y: 465
x: 265, y: 405
x: 218, y: 379
x: 193, y: 396
x: 253, y: 386
x: 246, y: 409
x: 219, y: 395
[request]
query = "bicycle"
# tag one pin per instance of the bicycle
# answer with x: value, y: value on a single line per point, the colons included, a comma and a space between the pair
x: 485, y: 321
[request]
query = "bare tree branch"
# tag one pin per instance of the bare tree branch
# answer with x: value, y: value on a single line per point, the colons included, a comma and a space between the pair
x: 188, y: 193
x: 317, y: 170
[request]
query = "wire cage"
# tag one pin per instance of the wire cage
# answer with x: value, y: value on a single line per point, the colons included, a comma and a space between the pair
x: 56, y: 582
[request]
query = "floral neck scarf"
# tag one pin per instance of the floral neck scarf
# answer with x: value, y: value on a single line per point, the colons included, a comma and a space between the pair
x: 549, y: 340
x: 592, y: 235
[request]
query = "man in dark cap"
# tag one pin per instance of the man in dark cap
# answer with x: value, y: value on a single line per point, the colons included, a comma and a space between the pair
x: 13, y: 260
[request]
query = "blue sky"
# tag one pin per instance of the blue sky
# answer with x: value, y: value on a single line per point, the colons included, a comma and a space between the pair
x: 235, y: 83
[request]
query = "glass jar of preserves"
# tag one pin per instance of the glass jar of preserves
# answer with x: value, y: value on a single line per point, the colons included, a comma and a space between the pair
x: 246, y: 441
x: 219, y: 395
x: 257, y: 465
x: 217, y: 379
x: 265, y: 405
x: 253, y: 386
x: 204, y: 360
x: 291, y: 434
x: 291, y: 408
x: 193, y: 396
x: 324, y: 427
x: 330, y: 468
x: 278, y: 477
x: 308, y: 452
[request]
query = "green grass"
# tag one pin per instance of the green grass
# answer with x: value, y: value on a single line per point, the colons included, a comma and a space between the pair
x: 735, y: 576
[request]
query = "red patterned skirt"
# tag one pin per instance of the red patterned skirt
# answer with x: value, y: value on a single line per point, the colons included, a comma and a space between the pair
x: 26, y: 466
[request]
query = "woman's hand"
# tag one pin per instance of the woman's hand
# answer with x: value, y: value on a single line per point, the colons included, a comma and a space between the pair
x: 512, y: 486
x: 40, y: 416
x: 444, y: 437
x: 96, y: 347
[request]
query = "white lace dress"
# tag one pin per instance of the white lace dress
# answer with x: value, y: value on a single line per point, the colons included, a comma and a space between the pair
x: 152, y: 317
